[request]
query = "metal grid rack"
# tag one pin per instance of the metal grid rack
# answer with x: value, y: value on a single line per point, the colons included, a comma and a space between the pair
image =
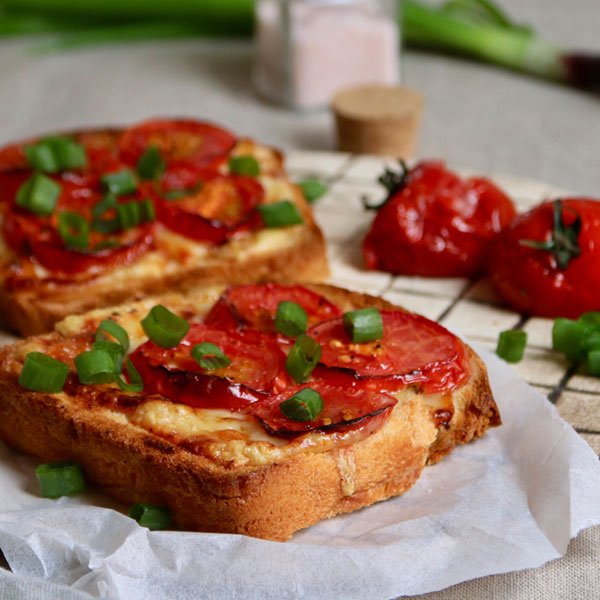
x: 469, y: 306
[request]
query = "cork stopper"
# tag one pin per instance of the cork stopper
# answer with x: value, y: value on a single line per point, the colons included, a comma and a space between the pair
x: 378, y: 119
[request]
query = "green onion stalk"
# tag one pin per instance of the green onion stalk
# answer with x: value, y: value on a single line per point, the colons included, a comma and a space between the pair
x: 477, y: 29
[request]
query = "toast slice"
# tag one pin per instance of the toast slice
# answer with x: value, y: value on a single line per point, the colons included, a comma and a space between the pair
x: 225, y: 471
x: 36, y: 292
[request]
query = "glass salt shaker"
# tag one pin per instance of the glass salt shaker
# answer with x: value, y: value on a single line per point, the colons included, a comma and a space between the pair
x: 306, y: 50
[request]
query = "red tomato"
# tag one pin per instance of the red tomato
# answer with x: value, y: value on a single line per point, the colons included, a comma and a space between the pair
x: 255, y: 306
x: 413, y: 350
x: 532, y: 280
x: 12, y: 157
x: 223, y: 206
x: 257, y: 368
x: 10, y: 182
x: 436, y: 224
x: 181, y: 177
x: 341, y: 407
x: 28, y: 234
x: 187, y: 141
x: 53, y: 255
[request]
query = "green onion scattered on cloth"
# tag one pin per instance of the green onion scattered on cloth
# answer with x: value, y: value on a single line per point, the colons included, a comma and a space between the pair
x: 472, y: 28
x: 579, y: 341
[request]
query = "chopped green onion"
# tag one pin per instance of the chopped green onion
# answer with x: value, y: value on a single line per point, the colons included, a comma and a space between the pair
x: 101, y: 224
x: 579, y: 341
x: 210, y: 356
x: 511, y: 345
x: 591, y: 318
x: 136, y: 383
x: 567, y: 337
x: 132, y: 214
x: 303, y: 358
x: 591, y: 339
x: 70, y: 154
x: 55, y: 154
x: 280, y: 214
x: 244, y: 165
x: 60, y: 479
x: 179, y: 193
x: 163, y: 327
x: 41, y: 157
x: 306, y: 405
x: 96, y: 366
x: 592, y: 365
x: 121, y: 182
x: 39, y: 195
x: 150, y: 166
x: 364, y: 325
x: 42, y: 373
x: 312, y: 189
x: 114, y: 349
x: 109, y: 327
x: 290, y: 319
x: 108, y: 202
x: 152, y: 517
x: 74, y: 230
x: 105, y: 245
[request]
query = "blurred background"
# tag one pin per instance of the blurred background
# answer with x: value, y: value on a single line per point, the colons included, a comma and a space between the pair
x: 476, y: 115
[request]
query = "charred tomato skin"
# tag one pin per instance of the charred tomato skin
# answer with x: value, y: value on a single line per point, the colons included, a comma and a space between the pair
x: 437, y: 224
x: 530, y: 279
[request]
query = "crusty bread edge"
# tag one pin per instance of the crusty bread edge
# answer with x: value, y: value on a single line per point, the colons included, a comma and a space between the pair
x: 31, y: 311
x: 271, y: 501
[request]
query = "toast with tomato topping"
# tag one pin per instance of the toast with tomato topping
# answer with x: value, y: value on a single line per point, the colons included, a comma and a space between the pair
x: 226, y: 428
x: 96, y: 218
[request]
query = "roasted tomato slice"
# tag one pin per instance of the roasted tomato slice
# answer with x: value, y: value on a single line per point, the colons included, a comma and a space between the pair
x: 257, y: 368
x: 131, y: 244
x: 547, y: 261
x: 28, y: 234
x: 186, y: 141
x: 100, y: 148
x: 223, y: 205
x: 12, y: 157
x: 412, y: 350
x: 436, y: 224
x: 255, y: 306
x: 10, y: 182
x: 341, y: 407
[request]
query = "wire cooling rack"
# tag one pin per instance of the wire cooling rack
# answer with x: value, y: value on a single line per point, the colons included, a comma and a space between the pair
x: 469, y: 306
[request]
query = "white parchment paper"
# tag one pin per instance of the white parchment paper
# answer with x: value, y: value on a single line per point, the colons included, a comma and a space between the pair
x: 510, y: 501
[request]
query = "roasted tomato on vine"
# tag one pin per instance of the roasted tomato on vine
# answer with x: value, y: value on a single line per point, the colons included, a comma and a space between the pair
x: 434, y: 223
x: 547, y: 262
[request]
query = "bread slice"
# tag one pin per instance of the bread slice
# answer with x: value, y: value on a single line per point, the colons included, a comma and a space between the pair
x: 223, y: 473
x: 174, y: 263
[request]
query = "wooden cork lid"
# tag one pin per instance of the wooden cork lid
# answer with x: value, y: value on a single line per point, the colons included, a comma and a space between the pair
x: 378, y: 119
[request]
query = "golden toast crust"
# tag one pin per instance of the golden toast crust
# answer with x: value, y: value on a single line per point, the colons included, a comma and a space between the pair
x: 271, y: 500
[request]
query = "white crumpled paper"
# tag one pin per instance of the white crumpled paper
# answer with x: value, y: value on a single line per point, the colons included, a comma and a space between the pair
x: 512, y: 500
